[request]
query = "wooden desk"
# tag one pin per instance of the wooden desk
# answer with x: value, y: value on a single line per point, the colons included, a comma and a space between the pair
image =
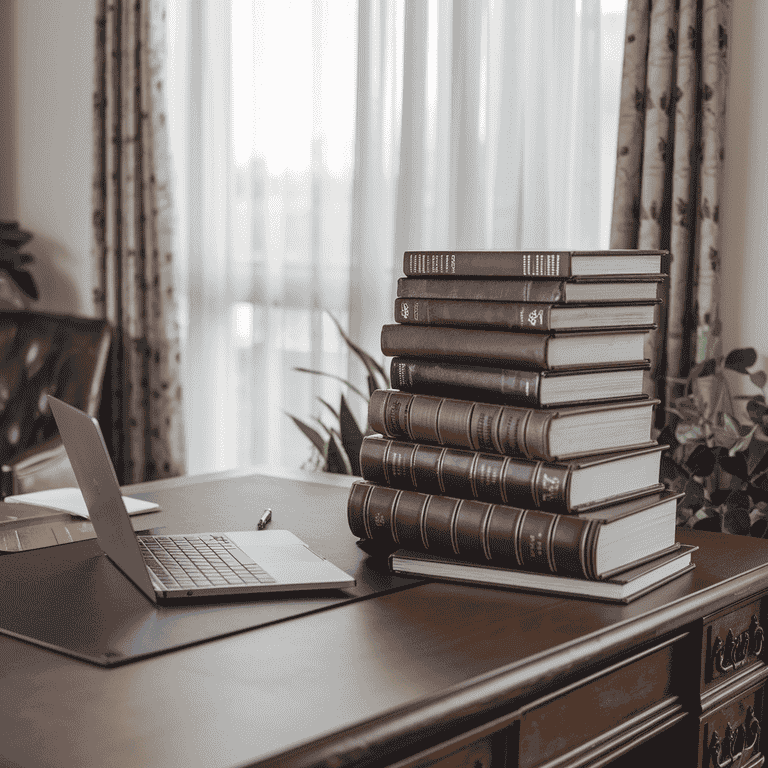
x: 421, y: 674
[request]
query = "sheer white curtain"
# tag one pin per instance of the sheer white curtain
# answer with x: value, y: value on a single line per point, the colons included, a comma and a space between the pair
x: 316, y: 140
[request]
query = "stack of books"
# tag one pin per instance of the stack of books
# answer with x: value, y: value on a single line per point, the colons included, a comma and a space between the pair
x: 515, y: 447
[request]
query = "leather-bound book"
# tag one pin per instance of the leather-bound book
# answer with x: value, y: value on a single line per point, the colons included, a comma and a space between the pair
x: 622, y: 587
x: 591, y: 545
x: 526, y: 350
x: 523, y: 316
x: 618, y: 289
x: 496, y: 384
x: 564, y: 487
x: 515, y: 431
x: 550, y: 264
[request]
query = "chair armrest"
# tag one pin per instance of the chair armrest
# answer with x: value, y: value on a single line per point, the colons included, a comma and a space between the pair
x: 40, y: 467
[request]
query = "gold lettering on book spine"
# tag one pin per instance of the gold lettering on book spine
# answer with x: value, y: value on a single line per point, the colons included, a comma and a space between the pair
x: 550, y: 487
x: 541, y: 264
x: 432, y: 263
x: 536, y: 548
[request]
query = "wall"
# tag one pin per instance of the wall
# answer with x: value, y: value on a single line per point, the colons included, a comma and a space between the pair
x: 45, y: 155
x: 8, y: 141
x: 46, y: 163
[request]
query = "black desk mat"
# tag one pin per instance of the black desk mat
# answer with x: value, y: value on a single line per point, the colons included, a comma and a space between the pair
x: 71, y: 599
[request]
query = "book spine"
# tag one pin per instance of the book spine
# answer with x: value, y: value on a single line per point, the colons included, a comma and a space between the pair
x: 499, y: 535
x: 539, y: 291
x: 461, y: 423
x: 549, y: 264
x: 526, y: 350
x: 466, y: 382
x: 494, y: 314
x: 465, y: 474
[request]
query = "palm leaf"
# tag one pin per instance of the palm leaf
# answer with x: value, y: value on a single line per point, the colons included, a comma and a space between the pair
x: 311, y: 433
x: 373, y: 367
x: 330, y: 408
x: 337, y: 461
x: 351, y: 436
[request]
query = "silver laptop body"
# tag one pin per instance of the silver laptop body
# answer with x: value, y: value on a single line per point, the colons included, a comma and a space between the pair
x: 231, y: 563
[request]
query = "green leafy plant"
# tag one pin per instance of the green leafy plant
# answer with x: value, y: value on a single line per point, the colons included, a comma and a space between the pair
x: 716, y: 456
x: 337, y: 444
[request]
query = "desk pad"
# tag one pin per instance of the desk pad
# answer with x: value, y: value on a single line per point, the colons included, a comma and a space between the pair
x: 73, y: 600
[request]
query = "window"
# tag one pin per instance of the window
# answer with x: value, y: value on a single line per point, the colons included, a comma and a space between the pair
x: 301, y: 175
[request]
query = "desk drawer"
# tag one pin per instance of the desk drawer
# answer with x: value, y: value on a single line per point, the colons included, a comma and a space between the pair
x: 734, y: 641
x: 476, y: 754
x: 627, y: 703
x: 730, y: 736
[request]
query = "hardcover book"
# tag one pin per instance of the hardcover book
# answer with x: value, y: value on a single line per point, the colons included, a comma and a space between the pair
x: 564, y: 486
x: 514, y: 431
x: 551, y: 264
x: 591, y: 545
x: 532, y: 350
x: 577, y: 290
x: 621, y: 588
x: 517, y: 387
x: 522, y: 316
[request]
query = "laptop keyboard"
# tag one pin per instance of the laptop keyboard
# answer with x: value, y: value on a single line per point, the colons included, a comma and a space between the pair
x: 205, y: 560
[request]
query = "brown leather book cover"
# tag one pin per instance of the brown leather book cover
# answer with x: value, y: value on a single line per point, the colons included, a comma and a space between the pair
x: 500, y: 535
x: 504, y: 385
x: 508, y: 536
x: 504, y: 429
x: 619, y: 289
x: 502, y: 479
x: 550, y: 264
x: 521, y: 316
x: 527, y: 350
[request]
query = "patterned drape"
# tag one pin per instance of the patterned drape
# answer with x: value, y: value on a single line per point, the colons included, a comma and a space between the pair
x: 141, y: 410
x: 670, y: 167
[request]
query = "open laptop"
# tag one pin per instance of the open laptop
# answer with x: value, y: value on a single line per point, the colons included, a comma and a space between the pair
x: 183, y: 566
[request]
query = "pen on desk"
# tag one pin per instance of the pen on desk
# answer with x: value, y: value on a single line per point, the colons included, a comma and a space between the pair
x: 264, y: 519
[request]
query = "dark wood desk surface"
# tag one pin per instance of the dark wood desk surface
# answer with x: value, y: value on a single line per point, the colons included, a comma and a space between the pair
x: 369, y: 680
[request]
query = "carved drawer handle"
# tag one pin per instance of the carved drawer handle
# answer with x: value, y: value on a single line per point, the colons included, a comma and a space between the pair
x: 730, y: 749
x: 735, y: 651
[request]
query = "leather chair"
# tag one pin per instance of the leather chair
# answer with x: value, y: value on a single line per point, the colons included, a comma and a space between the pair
x: 45, y: 354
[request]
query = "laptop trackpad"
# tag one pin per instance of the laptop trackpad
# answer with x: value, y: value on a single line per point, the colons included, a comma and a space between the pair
x: 274, y: 546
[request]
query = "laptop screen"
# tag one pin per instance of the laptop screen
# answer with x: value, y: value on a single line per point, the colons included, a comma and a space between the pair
x: 98, y: 482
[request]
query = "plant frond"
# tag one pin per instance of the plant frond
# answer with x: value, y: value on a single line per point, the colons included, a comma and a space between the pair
x: 311, y: 433
x: 372, y: 365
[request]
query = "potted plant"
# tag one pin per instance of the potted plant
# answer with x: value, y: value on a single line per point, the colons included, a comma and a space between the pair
x: 718, y: 451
